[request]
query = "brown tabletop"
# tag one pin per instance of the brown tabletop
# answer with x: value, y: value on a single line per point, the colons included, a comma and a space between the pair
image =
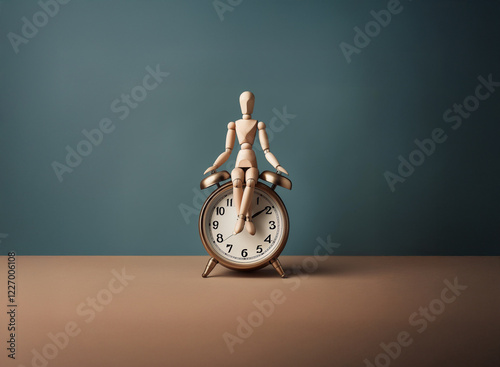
x: 338, y: 311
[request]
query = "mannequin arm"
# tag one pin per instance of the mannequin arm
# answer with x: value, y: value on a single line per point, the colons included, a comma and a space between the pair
x: 222, y: 158
x: 264, y: 143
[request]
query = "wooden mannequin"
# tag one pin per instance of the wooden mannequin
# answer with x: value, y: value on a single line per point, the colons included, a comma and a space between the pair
x: 246, y: 162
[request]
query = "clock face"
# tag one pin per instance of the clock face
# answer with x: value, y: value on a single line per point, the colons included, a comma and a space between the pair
x: 269, y: 217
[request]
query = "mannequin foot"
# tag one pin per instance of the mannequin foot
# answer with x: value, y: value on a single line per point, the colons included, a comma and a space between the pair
x: 249, y: 226
x: 240, y: 223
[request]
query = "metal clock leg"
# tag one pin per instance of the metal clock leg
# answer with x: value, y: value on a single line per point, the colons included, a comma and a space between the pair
x: 276, y: 264
x: 210, y: 266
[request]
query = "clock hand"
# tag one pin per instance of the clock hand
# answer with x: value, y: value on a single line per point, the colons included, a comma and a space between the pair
x: 253, y: 216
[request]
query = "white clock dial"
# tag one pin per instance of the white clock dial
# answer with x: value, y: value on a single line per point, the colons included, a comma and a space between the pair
x: 243, y: 248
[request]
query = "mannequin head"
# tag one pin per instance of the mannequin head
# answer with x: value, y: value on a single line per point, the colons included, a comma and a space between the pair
x: 247, y: 100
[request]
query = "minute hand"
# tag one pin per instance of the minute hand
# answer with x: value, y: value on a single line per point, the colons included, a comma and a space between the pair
x: 253, y: 216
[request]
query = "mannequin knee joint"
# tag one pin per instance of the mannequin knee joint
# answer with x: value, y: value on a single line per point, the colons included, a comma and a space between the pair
x: 251, y: 182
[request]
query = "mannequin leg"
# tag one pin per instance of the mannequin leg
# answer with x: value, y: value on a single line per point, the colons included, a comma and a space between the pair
x: 237, y: 176
x: 249, y: 226
x: 251, y: 176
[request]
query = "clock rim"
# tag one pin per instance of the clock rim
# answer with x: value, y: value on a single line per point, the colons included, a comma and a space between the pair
x: 265, y: 261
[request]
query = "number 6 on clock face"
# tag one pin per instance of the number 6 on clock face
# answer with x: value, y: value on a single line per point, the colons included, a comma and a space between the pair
x: 244, y: 251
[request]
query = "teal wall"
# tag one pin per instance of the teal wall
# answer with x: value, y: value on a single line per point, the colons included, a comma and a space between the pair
x: 355, y: 105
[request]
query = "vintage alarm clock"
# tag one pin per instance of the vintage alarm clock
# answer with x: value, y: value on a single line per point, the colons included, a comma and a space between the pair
x: 244, y: 224
x: 244, y: 251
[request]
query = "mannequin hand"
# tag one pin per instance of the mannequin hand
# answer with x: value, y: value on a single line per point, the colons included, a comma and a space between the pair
x: 221, y: 159
x: 211, y: 168
x: 281, y: 169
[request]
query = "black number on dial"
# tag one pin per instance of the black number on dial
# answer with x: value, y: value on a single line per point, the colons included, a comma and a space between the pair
x: 229, y: 202
x: 268, y: 239
x: 272, y: 224
x: 220, y: 210
x: 268, y: 210
x: 219, y: 238
x: 215, y: 224
x: 259, y: 249
x: 230, y: 247
x: 244, y: 252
